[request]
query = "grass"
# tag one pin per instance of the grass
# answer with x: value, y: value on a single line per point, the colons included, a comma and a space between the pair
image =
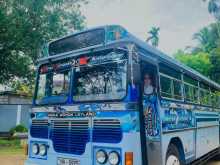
x: 11, y: 146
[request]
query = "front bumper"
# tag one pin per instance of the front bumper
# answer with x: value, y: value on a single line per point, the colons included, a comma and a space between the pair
x: 53, y: 161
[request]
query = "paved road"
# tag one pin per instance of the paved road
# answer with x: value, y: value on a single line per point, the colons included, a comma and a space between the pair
x: 19, y: 160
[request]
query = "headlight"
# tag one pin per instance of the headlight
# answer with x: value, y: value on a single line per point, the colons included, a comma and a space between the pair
x: 35, y: 148
x: 101, y: 157
x: 42, y: 149
x: 114, y: 158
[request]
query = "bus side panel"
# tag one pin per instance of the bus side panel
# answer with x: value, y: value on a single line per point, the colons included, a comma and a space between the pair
x: 178, y: 126
x: 154, y: 152
x: 153, y: 129
x: 207, y: 137
x: 187, y: 138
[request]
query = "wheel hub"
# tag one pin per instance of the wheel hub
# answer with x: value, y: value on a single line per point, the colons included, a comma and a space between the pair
x: 172, y: 160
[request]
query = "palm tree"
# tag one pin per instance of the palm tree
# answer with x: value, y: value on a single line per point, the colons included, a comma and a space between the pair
x: 203, y: 37
x: 207, y: 38
x: 154, y: 36
x: 214, y: 8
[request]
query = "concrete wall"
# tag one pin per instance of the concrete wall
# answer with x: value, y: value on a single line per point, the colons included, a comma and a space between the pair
x: 3, y: 99
x: 14, y: 99
x: 12, y: 115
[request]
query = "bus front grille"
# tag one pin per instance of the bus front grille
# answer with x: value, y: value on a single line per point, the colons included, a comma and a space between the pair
x: 69, y: 136
x: 107, y: 131
x: 39, y: 129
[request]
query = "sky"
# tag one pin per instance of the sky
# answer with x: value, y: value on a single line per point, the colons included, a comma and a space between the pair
x: 178, y: 19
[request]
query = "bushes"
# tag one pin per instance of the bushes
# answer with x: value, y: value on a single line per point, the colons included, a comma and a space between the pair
x: 19, y: 128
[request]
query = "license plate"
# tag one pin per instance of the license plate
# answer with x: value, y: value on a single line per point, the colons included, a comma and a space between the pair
x: 67, y: 161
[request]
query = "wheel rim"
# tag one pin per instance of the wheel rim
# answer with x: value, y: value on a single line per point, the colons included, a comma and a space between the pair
x: 172, y: 160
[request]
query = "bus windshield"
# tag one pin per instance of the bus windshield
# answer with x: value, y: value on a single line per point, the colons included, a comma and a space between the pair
x: 105, y: 81
x: 53, y: 86
x: 95, y: 77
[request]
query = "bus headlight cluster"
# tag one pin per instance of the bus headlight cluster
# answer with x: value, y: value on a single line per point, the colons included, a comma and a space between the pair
x: 102, y: 157
x: 42, y: 149
x: 39, y: 149
x: 114, y: 158
x: 35, y: 149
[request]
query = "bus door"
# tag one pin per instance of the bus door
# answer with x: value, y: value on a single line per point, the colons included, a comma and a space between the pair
x: 149, y: 98
x: 151, y: 122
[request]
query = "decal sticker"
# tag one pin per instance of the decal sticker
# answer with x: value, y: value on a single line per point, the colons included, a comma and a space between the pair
x: 176, y: 116
x: 152, y: 123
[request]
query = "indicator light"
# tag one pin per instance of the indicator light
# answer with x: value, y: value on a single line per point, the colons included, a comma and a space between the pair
x: 128, y: 158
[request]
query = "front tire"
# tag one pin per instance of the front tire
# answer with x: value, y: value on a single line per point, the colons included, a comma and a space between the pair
x: 173, y: 156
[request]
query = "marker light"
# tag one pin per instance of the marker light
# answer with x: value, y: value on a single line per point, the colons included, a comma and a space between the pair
x: 35, y: 149
x: 114, y: 158
x: 117, y: 35
x: 83, y: 61
x: 42, y: 149
x: 101, y: 157
x: 129, y: 158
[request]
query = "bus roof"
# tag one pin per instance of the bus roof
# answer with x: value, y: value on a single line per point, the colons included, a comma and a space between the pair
x: 148, y: 49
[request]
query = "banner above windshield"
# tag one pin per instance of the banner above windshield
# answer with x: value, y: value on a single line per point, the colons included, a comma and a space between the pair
x: 92, y: 77
x: 85, y: 39
x: 78, y: 41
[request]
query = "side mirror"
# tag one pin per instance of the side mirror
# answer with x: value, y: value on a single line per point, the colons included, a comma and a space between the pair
x: 134, y: 73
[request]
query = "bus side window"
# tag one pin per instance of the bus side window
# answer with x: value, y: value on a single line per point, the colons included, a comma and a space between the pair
x: 191, y: 89
x: 205, y: 96
x: 189, y: 93
x: 165, y: 85
x: 177, y: 89
x: 218, y: 102
x: 216, y: 98
x: 170, y: 83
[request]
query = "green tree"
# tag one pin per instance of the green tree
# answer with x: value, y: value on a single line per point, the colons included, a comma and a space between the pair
x: 215, y: 60
x: 27, y: 24
x: 207, y: 37
x: 199, y: 61
x: 154, y: 36
x: 214, y: 8
x: 209, y: 42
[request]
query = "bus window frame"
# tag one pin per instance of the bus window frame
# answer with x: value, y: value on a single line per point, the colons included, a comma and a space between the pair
x: 194, y: 87
x: 172, y: 87
x: 206, y: 90
x: 156, y: 75
x: 99, y: 101
x: 183, y: 83
x: 37, y: 86
x: 70, y: 92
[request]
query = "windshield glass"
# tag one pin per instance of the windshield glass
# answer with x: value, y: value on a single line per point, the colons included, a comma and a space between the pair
x: 98, y: 76
x: 102, y: 78
x: 53, y: 85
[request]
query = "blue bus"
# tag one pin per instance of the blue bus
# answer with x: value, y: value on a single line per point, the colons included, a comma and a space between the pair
x: 104, y: 97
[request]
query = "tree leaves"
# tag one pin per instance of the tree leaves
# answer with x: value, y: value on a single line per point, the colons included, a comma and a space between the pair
x: 199, y: 61
x: 25, y: 25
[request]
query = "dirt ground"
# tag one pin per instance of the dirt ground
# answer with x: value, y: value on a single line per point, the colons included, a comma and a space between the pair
x: 214, y: 163
x: 12, y: 159
x: 19, y: 160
